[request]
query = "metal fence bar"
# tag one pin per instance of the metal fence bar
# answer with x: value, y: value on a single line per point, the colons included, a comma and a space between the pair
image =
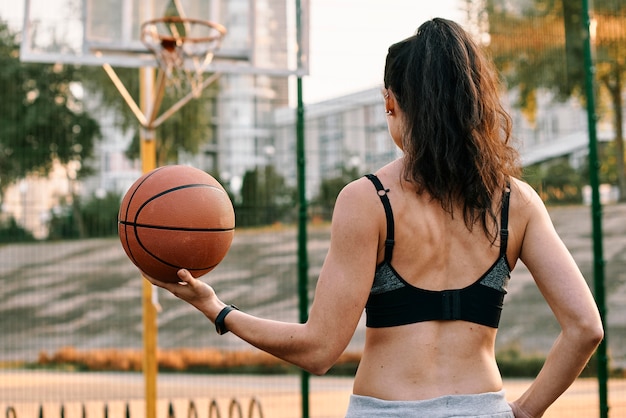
x: 235, y: 410
x: 255, y: 403
x: 231, y: 408
x: 213, y: 407
x: 192, y: 411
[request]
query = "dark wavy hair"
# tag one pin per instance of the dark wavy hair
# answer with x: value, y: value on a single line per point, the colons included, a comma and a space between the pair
x: 457, y: 134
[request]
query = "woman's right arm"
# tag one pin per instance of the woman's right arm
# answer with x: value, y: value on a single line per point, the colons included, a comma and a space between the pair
x: 569, y: 297
x: 341, y: 291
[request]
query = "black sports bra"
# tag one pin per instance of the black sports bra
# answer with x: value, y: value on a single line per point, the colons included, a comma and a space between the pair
x: 393, y: 301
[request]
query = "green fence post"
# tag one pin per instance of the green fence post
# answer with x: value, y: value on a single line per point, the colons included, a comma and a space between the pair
x: 303, y: 262
x: 596, y: 210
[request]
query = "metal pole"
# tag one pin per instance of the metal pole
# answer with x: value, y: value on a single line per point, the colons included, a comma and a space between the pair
x: 303, y: 263
x: 596, y: 209
x: 148, y: 163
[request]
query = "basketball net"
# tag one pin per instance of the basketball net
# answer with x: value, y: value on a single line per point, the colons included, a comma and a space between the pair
x: 184, y: 48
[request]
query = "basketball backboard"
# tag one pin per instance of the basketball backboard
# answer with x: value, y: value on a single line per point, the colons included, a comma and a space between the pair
x: 261, y: 35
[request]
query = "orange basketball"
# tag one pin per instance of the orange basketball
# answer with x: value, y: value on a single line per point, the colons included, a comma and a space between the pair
x: 176, y: 217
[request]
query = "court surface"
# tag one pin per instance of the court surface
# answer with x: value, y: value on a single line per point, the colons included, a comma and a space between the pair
x: 279, y: 396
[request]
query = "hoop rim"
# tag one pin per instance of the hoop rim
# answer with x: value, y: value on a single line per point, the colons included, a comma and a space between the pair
x: 177, y: 19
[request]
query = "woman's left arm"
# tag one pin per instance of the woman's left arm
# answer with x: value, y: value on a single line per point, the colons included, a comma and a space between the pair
x: 564, y: 288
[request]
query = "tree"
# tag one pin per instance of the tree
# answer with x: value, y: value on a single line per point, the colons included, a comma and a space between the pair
x: 265, y: 198
x: 96, y: 214
x: 556, y: 181
x: 537, y: 44
x: 42, y: 119
x: 11, y: 231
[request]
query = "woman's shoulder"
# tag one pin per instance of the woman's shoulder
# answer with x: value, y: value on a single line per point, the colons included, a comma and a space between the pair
x: 365, y: 187
x: 524, y: 196
x: 360, y: 201
x: 525, y: 203
x: 357, y: 191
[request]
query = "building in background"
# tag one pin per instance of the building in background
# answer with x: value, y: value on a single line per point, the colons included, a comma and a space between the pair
x: 351, y: 131
x: 246, y: 102
x: 348, y: 132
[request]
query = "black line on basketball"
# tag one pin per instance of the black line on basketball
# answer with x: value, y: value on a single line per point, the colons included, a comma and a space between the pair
x: 173, y: 189
x: 137, y: 189
x: 128, y: 247
x: 128, y: 206
x: 175, y: 228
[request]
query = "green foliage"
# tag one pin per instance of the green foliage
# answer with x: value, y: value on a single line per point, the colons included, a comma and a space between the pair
x: 557, y: 182
x: 100, y: 215
x: 608, y: 169
x: 265, y: 198
x: 63, y: 225
x: 96, y: 217
x: 574, y: 43
x: 41, y: 117
x: 11, y: 232
x: 529, y: 48
x: 512, y: 362
x: 540, y: 47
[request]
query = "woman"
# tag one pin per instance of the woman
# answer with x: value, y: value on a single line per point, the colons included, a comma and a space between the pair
x: 426, y: 246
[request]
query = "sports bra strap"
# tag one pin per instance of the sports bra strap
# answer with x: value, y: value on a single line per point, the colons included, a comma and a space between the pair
x: 504, y: 219
x: 382, y: 193
x: 389, y: 242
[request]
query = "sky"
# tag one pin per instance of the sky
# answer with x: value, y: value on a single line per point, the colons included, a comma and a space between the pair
x: 349, y: 40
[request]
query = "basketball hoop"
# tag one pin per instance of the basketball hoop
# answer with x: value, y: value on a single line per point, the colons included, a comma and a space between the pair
x: 183, y: 45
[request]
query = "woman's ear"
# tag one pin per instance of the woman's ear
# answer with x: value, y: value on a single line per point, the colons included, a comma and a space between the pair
x: 390, y: 102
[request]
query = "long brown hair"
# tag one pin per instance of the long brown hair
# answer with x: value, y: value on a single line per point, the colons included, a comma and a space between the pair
x: 457, y: 138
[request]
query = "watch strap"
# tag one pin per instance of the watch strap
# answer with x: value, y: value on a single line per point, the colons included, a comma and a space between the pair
x: 220, y: 326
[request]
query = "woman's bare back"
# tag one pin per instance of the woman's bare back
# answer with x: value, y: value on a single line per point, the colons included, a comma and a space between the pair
x: 433, y: 251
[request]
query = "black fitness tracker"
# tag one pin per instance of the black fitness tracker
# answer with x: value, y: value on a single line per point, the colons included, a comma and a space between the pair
x: 220, y: 326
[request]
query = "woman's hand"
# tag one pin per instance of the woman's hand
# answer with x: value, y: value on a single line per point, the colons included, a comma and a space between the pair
x: 518, y: 412
x: 193, y: 291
